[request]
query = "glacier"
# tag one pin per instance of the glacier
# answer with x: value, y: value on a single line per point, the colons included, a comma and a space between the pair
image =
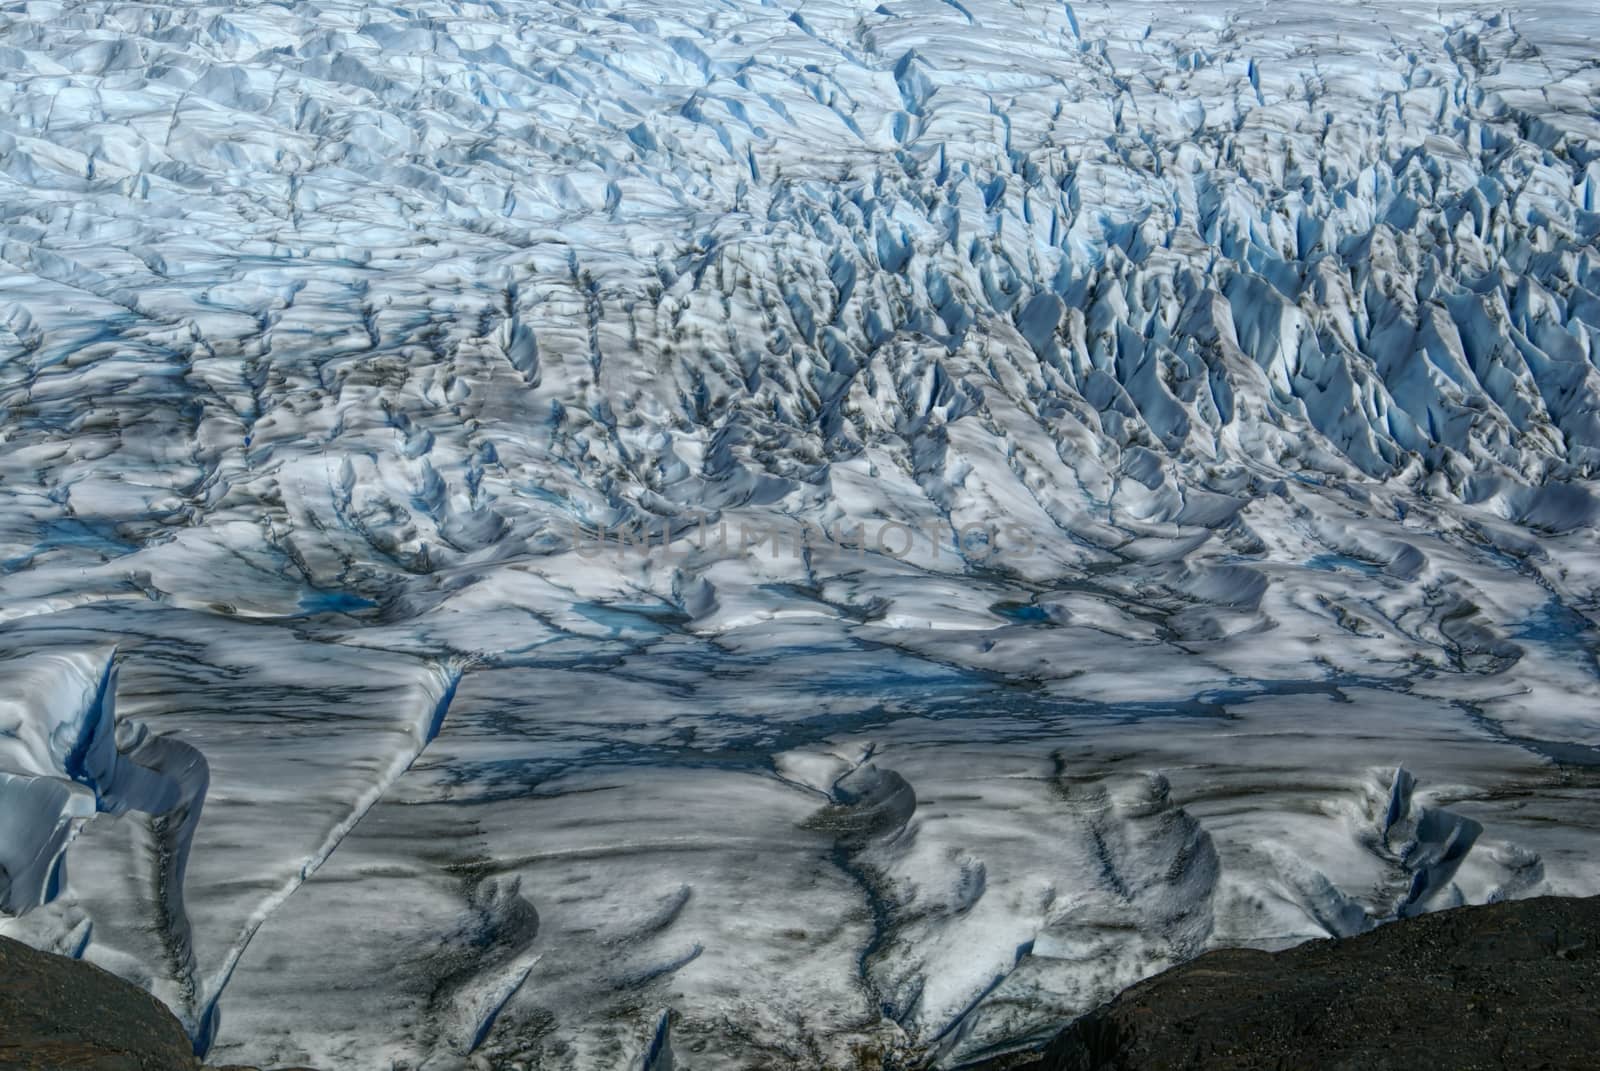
x: 792, y: 534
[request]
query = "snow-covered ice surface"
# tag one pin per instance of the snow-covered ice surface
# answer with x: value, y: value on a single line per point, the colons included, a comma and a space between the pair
x: 1233, y: 368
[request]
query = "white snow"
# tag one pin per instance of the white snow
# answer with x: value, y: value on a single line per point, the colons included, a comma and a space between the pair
x: 378, y: 689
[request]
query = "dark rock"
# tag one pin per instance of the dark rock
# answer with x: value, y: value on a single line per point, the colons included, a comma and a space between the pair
x: 1511, y: 985
x: 1514, y: 985
x: 59, y: 1014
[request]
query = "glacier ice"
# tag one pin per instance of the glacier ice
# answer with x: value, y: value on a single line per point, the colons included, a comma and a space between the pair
x: 370, y: 376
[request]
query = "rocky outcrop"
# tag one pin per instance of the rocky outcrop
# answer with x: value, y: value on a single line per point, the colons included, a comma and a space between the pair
x: 60, y: 1014
x: 1508, y: 985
